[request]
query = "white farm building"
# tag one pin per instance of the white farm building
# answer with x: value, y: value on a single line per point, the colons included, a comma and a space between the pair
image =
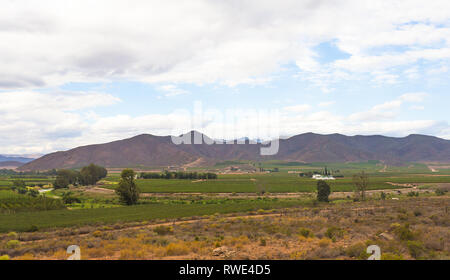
x: 323, y: 177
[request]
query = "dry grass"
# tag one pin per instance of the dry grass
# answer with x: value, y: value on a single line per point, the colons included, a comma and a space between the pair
x: 341, y: 231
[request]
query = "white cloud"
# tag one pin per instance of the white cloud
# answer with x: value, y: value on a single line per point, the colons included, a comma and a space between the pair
x: 382, y: 77
x: 172, y: 90
x: 298, y: 108
x: 33, y: 122
x: 326, y: 104
x: 388, y: 110
x: 417, y: 108
x: 45, y: 44
x: 412, y: 73
x: 229, y: 42
x: 436, y: 71
x: 414, y: 97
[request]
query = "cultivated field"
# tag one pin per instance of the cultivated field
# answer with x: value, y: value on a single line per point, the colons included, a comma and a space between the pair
x: 262, y: 215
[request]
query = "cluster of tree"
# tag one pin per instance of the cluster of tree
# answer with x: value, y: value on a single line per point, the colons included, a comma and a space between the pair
x: 325, y: 172
x: 276, y: 169
x: 308, y: 174
x: 178, y: 175
x: 127, y: 190
x: 20, y: 187
x: 34, y: 174
x: 88, y: 175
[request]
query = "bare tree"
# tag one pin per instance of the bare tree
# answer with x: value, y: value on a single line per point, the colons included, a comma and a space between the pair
x: 361, y: 181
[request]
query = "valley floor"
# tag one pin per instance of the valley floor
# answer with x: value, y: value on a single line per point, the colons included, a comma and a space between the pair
x: 409, y: 228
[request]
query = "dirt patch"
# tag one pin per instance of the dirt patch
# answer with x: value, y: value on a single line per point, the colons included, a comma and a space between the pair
x: 436, y: 168
x: 98, y: 190
x: 197, y: 163
x: 200, y: 180
x: 408, y: 185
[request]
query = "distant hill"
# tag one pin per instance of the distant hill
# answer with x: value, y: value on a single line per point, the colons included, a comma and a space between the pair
x: 10, y: 164
x: 21, y: 159
x: 149, y: 150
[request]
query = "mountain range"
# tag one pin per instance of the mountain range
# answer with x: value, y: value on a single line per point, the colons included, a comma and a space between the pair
x: 15, y: 158
x: 156, y: 151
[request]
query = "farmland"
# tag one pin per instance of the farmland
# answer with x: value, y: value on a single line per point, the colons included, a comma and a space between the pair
x: 230, y: 196
x: 11, y: 202
x: 65, y: 218
x: 273, y: 183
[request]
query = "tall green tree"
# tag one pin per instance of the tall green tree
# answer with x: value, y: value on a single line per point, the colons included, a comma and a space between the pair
x: 323, y: 191
x: 61, y: 182
x: 18, y: 185
x: 91, y: 174
x: 128, y: 191
x: 72, y: 176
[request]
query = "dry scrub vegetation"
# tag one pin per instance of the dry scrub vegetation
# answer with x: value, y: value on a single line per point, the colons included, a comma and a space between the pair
x: 411, y: 228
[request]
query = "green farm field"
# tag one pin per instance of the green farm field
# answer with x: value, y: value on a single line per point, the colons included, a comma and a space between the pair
x: 7, y: 181
x: 273, y: 183
x: 65, y: 218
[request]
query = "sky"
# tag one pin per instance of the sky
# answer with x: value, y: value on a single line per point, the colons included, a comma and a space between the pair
x: 82, y: 72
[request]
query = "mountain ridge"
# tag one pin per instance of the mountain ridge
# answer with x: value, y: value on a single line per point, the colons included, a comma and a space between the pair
x: 152, y: 150
x: 21, y: 159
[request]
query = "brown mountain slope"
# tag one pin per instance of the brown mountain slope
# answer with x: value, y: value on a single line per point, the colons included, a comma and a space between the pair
x: 149, y: 150
x: 10, y: 164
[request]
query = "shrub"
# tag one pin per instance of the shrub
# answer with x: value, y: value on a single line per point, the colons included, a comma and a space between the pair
x: 12, y: 234
x: 262, y: 242
x: 334, y: 232
x: 305, y: 232
x: 357, y: 250
x: 68, y: 198
x: 163, y: 230
x: 391, y: 257
x: 33, y: 193
x: 412, y: 194
x: 4, y: 258
x: 97, y: 233
x: 440, y: 191
x: 127, y: 254
x: 177, y: 249
x: 324, y: 242
x: 32, y: 228
x: 415, y: 248
x: 26, y: 257
x: 404, y: 233
x: 12, y: 244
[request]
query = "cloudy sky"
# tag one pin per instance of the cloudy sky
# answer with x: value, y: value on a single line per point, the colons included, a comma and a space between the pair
x: 82, y: 72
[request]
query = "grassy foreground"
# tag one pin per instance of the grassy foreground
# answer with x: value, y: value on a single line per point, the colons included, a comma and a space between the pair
x: 410, y: 228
